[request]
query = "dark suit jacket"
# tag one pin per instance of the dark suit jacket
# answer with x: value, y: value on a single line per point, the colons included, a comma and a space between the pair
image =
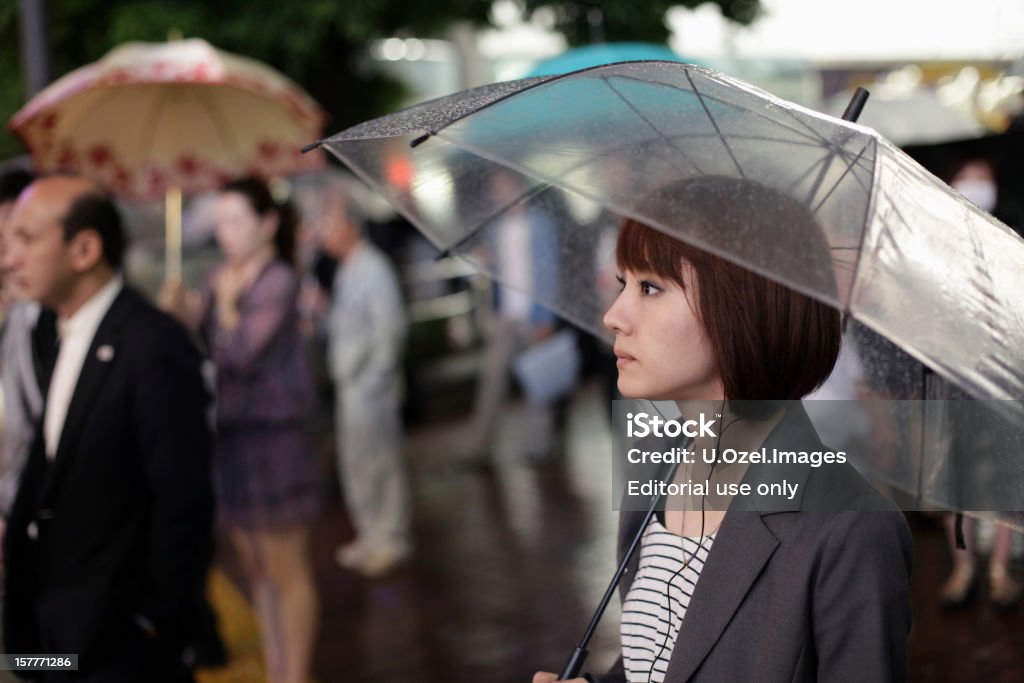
x: 813, y: 589
x: 122, y: 517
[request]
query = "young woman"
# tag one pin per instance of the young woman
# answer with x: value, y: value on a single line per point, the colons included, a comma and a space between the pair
x: 264, y: 467
x: 813, y: 588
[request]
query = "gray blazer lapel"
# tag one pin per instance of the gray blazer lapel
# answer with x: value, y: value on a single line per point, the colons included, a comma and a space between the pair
x: 741, y: 549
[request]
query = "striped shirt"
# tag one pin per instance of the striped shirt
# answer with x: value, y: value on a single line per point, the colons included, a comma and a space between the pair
x: 657, y: 600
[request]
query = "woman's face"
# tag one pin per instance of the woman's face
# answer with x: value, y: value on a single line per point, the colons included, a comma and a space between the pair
x: 241, y: 232
x: 661, y: 350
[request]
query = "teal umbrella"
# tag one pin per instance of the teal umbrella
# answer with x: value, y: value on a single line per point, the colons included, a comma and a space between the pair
x: 604, y: 53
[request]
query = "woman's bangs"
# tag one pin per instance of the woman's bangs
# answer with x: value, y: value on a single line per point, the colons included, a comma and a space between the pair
x: 641, y: 249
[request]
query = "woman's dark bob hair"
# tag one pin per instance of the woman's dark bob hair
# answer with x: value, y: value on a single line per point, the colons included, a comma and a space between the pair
x: 770, y: 342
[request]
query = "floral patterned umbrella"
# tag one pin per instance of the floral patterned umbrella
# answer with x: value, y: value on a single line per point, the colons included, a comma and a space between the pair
x: 150, y: 120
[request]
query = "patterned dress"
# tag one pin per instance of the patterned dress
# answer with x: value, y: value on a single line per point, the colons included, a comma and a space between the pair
x: 265, y: 469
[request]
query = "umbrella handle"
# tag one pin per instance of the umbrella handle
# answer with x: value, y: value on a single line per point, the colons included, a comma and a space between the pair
x: 575, y: 663
x: 579, y: 654
x: 172, y: 234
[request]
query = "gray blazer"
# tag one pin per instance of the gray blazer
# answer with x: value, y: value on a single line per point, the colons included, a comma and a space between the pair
x: 813, y: 589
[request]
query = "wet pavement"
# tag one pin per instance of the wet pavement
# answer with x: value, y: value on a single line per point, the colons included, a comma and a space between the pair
x: 510, y: 564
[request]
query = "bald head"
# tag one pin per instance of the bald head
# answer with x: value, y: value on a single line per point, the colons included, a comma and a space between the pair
x: 65, y: 232
x: 60, y: 190
x: 50, y: 198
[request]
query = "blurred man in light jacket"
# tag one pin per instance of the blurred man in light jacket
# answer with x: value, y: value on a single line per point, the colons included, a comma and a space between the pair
x: 366, y: 329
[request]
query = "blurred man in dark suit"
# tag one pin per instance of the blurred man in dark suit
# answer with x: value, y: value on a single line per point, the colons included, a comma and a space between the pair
x: 110, y: 536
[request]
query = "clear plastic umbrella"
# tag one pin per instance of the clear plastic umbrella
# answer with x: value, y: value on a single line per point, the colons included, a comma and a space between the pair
x: 929, y: 284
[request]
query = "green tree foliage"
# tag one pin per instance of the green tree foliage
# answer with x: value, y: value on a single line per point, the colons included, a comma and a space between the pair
x: 584, y: 21
x: 318, y: 43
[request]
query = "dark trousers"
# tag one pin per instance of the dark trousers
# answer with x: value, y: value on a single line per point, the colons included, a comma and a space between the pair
x: 137, y: 659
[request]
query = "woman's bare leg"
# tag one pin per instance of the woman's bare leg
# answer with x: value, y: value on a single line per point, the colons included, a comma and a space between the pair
x: 957, y: 588
x: 290, y: 573
x: 1003, y: 590
x: 252, y: 552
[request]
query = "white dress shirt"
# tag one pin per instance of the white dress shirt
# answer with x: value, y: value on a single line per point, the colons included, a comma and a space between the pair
x: 76, y: 334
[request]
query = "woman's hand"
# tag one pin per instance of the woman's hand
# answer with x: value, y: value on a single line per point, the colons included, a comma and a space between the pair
x: 547, y: 677
x: 180, y: 301
x: 172, y: 298
x: 227, y: 287
x: 229, y: 283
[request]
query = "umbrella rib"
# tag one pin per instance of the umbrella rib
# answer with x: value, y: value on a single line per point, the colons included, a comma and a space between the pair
x: 826, y: 163
x: 88, y: 115
x: 833, y: 153
x: 752, y: 138
x: 521, y: 199
x: 703, y: 104
x: 842, y: 152
x: 849, y: 168
x: 646, y: 120
x: 858, y: 160
x: 217, y: 116
x: 803, y: 176
x: 807, y: 131
x: 813, y: 134
x: 152, y: 118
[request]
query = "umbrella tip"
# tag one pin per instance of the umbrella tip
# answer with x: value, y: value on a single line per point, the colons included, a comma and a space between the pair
x: 856, y: 105
x: 311, y: 146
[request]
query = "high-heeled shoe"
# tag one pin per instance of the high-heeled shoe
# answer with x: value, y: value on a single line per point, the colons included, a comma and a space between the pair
x: 959, y: 589
x: 1004, y: 592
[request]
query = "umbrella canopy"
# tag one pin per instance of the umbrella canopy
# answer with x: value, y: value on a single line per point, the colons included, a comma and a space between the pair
x: 151, y: 116
x: 603, y: 53
x: 930, y: 280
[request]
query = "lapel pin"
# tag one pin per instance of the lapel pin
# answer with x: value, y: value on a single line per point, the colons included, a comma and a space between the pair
x: 105, y: 353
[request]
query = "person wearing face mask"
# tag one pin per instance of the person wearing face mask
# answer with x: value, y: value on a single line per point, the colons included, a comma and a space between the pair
x: 976, y: 181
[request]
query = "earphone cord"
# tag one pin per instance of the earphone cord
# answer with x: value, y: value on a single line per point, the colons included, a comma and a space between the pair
x: 693, y: 554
